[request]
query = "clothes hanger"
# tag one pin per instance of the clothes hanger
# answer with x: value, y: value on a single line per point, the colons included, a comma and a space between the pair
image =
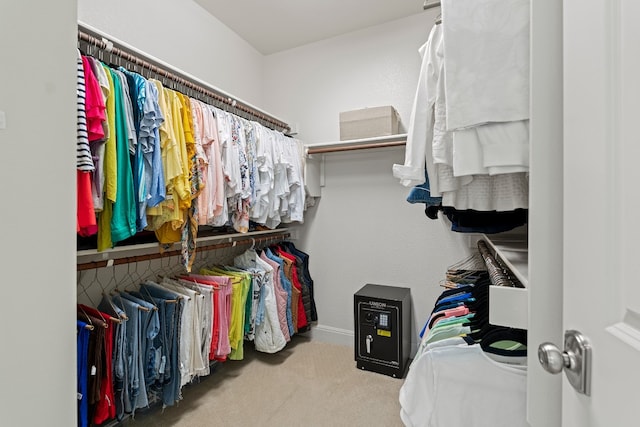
x: 118, y: 312
x: 473, y: 262
x: 170, y: 301
x: 155, y: 307
x: 140, y: 308
x: 97, y: 311
x: 87, y: 317
x: 514, y: 282
x: 149, y: 300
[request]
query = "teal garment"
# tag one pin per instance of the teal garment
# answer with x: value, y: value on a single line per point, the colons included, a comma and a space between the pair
x: 138, y: 94
x: 448, y: 332
x: 452, y: 320
x: 248, y: 326
x: 123, y: 221
x: 449, y: 328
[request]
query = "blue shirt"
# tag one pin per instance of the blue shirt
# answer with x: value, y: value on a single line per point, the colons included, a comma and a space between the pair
x: 150, y: 134
x: 285, y: 284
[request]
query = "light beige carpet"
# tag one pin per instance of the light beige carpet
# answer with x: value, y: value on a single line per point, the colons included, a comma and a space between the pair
x: 309, y: 383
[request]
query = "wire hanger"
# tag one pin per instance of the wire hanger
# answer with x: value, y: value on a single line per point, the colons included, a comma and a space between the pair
x: 87, y: 317
x: 151, y: 299
x: 99, y: 314
x: 118, y: 312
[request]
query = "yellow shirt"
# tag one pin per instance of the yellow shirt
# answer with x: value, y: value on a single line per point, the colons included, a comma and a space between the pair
x: 110, y: 171
x: 167, y: 219
x: 168, y: 226
x: 110, y: 160
x: 182, y: 188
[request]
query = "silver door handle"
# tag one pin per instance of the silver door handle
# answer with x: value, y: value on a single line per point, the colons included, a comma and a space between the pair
x: 575, y: 360
x: 553, y: 359
x: 368, y: 340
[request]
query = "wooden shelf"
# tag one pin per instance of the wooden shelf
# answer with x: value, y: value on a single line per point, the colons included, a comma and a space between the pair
x: 510, y: 306
x: 357, y: 144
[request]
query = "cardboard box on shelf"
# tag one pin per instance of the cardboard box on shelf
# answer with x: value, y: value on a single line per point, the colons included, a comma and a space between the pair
x: 369, y: 122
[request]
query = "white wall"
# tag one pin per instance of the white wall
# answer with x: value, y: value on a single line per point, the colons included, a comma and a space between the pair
x: 312, y: 84
x: 183, y: 34
x: 37, y: 167
x: 363, y: 230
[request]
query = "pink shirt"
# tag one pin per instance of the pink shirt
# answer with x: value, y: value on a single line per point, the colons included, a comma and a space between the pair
x: 222, y: 311
x: 441, y: 315
x: 216, y: 174
x: 94, y: 106
x: 281, y: 296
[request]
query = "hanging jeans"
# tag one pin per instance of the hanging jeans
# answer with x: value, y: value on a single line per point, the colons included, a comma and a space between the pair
x: 82, y: 348
x: 169, y: 377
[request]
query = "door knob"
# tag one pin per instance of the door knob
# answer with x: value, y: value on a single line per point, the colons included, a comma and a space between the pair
x: 575, y: 360
x: 553, y: 359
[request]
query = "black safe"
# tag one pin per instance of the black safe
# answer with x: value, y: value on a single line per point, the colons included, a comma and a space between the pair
x: 382, y: 316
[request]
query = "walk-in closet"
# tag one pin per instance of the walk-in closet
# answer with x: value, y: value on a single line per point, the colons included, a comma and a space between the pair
x: 282, y: 213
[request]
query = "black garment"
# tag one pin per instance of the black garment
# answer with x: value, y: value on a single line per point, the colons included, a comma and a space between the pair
x: 487, y: 222
x: 306, y: 276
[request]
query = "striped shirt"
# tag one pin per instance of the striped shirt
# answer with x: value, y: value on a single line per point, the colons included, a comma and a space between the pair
x: 84, y: 161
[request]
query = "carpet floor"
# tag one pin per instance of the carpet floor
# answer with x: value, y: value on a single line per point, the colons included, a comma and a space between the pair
x: 309, y: 383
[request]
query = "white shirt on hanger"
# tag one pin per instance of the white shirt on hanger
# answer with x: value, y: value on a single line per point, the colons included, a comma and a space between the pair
x: 418, y: 151
x: 486, y: 46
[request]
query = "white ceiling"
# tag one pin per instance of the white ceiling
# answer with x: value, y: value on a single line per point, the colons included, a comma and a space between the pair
x: 274, y: 25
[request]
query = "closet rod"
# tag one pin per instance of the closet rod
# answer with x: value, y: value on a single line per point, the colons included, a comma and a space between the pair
x: 149, y: 257
x: 338, y: 148
x: 156, y: 67
x: 429, y: 5
x: 355, y: 147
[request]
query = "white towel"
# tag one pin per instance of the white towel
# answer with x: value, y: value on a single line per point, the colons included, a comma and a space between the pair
x: 486, y: 45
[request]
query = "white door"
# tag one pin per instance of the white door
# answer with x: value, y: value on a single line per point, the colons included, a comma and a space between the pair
x: 601, y: 224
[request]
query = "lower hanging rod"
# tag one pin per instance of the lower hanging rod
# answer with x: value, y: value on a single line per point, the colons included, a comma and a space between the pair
x: 166, y: 254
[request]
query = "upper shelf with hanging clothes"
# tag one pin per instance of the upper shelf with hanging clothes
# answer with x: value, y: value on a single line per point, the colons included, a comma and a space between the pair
x: 112, y: 50
x: 180, y: 80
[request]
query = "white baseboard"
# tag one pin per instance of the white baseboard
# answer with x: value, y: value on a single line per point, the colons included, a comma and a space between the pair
x: 332, y: 335
x: 341, y: 336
